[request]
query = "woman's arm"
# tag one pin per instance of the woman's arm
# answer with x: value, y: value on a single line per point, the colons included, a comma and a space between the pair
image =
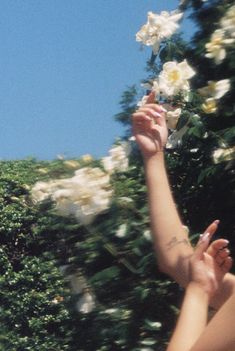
x: 171, y: 242
x: 172, y: 246
x: 192, y: 320
x: 219, y: 334
x: 191, y: 333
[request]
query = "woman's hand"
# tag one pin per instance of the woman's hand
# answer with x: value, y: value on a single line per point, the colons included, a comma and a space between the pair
x: 209, y: 265
x: 149, y: 127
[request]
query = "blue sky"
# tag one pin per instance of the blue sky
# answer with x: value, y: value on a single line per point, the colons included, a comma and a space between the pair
x: 63, y: 67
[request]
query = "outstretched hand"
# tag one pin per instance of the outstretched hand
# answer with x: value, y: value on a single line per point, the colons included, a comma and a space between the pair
x: 209, y: 264
x: 149, y: 127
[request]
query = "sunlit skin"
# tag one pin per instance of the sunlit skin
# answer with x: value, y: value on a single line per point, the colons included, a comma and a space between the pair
x: 150, y: 131
x: 192, y: 332
x: 203, y: 271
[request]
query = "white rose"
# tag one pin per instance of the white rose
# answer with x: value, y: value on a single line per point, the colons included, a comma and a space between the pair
x: 215, y: 89
x: 172, y: 118
x: 158, y: 28
x: 228, y: 21
x: 175, y: 138
x: 221, y: 155
x: 210, y: 106
x: 118, y: 159
x: 86, y: 303
x: 174, y: 77
x: 216, y: 46
x: 121, y: 232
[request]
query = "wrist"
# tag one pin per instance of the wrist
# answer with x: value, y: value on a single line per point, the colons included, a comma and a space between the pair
x: 157, y: 157
x: 196, y: 289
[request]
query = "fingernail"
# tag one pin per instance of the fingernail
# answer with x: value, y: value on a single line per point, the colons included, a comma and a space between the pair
x: 156, y: 114
x: 205, y: 237
x: 217, y: 221
x: 162, y: 109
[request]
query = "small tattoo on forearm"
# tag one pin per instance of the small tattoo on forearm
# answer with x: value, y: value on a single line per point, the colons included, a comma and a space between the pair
x: 174, y: 242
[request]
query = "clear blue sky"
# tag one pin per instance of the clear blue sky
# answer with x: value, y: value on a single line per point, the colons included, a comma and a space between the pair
x: 63, y: 67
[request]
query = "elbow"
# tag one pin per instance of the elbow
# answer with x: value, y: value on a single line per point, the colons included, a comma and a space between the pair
x: 178, y: 271
x: 166, y: 268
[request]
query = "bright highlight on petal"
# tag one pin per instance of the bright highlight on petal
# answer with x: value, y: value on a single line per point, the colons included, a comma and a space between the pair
x: 158, y: 28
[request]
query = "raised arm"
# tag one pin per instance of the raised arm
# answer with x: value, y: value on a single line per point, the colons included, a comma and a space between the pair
x: 172, y: 246
x: 191, y: 332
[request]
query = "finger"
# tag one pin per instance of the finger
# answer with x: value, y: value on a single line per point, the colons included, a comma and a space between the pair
x: 151, y: 98
x: 202, y: 246
x: 220, y: 260
x: 150, y: 112
x: 212, y: 228
x: 223, y: 253
x: 227, y: 264
x: 155, y: 107
x: 140, y: 117
x: 217, y: 245
x: 155, y: 130
x: 157, y: 112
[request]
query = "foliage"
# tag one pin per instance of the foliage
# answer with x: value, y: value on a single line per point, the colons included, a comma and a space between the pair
x: 133, y: 305
x: 53, y: 269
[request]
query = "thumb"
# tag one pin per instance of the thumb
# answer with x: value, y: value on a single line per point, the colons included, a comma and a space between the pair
x: 151, y: 98
x: 202, y: 246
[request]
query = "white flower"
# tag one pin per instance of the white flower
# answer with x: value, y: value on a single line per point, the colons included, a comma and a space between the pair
x: 172, y: 118
x: 215, y: 89
x: 73, y: 164
x: 78, y: 283
x: 111, y: 310
x: 147, y: 235
x: 83, y: 196
x: 158, y: 28
x: 121, y: 232
x: 228, y: 21
x: 87, y: 158
x: 220, y: 155
x: 43, y: 190
x: 174, y: 77
x: 210, y: 106
x: 118, y: 159
x: 175, y: 138
x: 83, y: 203
x: 216, y: 46
x: 86, y: 303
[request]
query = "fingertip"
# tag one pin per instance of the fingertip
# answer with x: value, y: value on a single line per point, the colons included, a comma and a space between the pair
x: 151, y: 97
x: 212, y: 228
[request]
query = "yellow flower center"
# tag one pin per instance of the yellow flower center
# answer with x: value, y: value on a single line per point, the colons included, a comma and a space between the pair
x: 85, y: 199
x: 210, y: 106
x: 174, y: 75
x: 217, y: 41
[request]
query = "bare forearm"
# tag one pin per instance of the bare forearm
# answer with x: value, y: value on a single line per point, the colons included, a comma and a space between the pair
x: 225, y: 291
x: 192, y: 320
x: 172, y: 246
x: 171, y: 240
